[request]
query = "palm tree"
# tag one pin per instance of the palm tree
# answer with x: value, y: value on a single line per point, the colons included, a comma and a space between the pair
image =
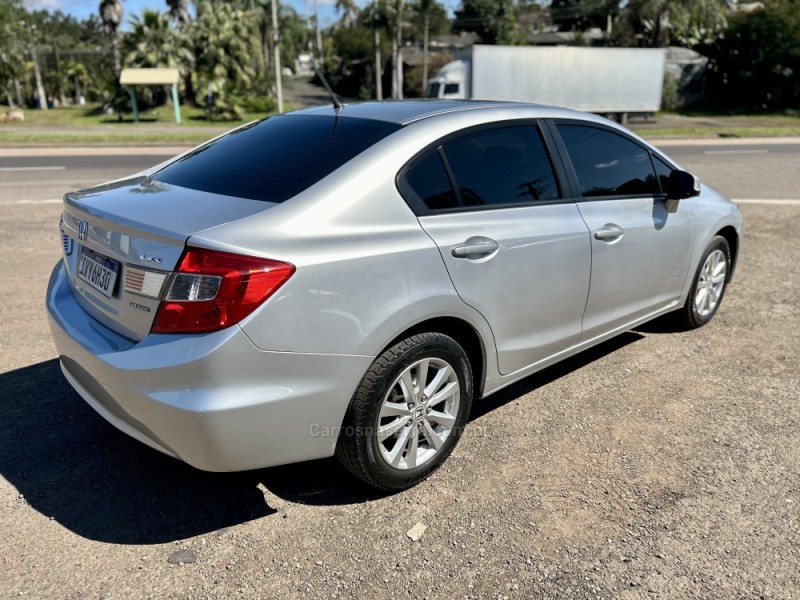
x: 12, y: 44
x: 425, y: 9
x: 226, y: 43
x: 111, y: 14
x: 79, y: 74
x: 397, y: 43
x: 152, y: 43
x: 179, y: 10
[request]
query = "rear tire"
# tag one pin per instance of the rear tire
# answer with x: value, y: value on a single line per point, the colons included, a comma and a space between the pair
x: 708, y: 286
x: 408, y: 413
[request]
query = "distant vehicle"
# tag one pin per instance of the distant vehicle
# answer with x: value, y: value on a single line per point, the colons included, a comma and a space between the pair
x: 617, y: 82
x: 347, y: 280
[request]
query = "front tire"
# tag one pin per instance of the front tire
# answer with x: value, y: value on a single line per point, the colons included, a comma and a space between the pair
x: 408, y: 412
x: 708, y: 286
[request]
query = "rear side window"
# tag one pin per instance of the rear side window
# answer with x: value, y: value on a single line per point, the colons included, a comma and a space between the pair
x: 608, y: 164
x: 277, y: 158
x: 428, y: 179
x: 501, y: 166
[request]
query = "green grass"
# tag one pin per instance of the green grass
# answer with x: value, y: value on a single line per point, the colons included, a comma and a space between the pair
x: 717, y: 132
x: 87, y: 116
x: 98, y: 138
x: 88, y: 125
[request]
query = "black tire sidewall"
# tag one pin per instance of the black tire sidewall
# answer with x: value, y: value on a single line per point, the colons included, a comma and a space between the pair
x: 433, y: 346
x: 694, y: 318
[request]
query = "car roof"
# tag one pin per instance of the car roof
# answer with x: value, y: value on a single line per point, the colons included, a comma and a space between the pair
x: 404, y: 112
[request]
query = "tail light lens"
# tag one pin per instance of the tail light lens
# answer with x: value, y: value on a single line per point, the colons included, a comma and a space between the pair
x: 212, y: 290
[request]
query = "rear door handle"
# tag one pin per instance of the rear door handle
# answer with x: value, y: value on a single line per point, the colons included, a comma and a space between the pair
x: 608, y: 233
x: 475, y: 248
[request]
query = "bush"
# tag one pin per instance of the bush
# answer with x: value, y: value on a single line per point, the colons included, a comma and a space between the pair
x: 757, y: 64
x: 670, y: 99
x: 259, y: 104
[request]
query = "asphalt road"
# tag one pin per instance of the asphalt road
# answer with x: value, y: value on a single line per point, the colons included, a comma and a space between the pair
x: 658, y: 465
x: 767, y: 169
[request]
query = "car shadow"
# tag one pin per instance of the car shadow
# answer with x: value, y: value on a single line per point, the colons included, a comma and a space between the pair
x: 70, y: 465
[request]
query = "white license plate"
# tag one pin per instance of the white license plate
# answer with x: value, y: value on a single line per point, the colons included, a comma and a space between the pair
x: 98, y: 271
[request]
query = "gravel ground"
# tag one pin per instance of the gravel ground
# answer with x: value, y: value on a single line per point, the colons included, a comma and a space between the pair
x: 657, y: 465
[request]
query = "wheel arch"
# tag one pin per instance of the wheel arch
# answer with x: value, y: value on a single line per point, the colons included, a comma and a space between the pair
x: 732, y: 237
x: 463, y: 333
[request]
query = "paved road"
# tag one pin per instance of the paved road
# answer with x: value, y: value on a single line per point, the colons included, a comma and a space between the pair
x: 739, y: 169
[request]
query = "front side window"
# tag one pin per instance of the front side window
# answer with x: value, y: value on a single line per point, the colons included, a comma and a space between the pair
x: 501, y: 167
x: 451, y: 88
x: 607, y: 164
x: 433, y: 90
x: 663, y: 171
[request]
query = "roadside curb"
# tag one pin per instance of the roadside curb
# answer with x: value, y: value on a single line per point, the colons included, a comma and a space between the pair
x: 728, y: 141
x: 28, y: 151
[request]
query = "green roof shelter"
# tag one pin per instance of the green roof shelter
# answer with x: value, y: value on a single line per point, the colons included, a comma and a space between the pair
x: 133, y: 77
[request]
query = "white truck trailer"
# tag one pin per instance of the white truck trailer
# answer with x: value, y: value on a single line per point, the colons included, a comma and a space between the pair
x: 613, y: 81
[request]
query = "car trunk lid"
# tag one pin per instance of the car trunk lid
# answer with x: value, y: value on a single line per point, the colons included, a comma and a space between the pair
x: 122, y: 240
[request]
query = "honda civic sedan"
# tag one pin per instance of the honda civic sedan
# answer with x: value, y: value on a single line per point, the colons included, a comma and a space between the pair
x: 348, y: 280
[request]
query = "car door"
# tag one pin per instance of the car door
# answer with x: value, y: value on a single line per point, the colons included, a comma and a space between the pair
x: 640, y: 249
x: 515, y: 248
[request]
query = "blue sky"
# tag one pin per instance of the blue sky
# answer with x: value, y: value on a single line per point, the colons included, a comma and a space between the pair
x: 83, y: 8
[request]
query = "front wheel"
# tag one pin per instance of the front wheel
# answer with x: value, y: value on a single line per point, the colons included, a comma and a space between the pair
x: 708, y: 286
x: 408, y: 412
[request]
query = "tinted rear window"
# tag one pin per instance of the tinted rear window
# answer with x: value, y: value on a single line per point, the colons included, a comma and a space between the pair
x: 275, y: 159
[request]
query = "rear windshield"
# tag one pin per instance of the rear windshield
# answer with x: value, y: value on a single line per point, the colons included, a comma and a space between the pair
x: 277, y: 158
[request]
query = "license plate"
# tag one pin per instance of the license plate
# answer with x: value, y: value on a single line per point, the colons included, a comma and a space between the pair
x: 98, y: 271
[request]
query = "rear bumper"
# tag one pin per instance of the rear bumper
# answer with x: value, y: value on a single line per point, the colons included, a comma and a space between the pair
x: 212, y: 400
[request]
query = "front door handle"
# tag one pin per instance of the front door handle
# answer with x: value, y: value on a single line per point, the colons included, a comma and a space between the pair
x: 475, y: 248
x: 608, y: 233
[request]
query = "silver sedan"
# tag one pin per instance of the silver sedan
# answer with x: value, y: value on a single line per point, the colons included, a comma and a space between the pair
x: 346, y: 281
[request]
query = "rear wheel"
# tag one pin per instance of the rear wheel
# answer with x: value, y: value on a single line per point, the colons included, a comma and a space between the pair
x: 408, y: 412
x: 708, y: 286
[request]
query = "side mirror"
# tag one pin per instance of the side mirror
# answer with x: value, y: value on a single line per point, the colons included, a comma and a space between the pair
x: 681, y: 185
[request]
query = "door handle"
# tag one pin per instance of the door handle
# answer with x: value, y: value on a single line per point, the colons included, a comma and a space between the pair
x: 608, y: 233
x: 475, y: 248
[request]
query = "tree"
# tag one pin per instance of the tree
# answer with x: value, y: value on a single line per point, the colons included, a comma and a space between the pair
x: 580, y: 15
x: 12, y: 47
x: 78, y: 74
x: 428, y: 15
x: 179, y: 10
x: 396, y: 22
x: 227, y: 54
x: 111, y: 13
x: 756, y: 65
x: 660, y: 23
x: 494, y: 21
x: 152, y: 43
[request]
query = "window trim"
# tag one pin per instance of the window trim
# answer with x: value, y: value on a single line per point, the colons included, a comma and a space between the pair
x: 421, y: 209
x: 552, y: 125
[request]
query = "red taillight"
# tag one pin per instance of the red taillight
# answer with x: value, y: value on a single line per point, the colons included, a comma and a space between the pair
x: 212, y: 290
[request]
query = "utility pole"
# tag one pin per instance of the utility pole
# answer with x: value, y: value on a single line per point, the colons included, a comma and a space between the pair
x: 377, y: 41
x: 36, y: 72
x: 276, y: 48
